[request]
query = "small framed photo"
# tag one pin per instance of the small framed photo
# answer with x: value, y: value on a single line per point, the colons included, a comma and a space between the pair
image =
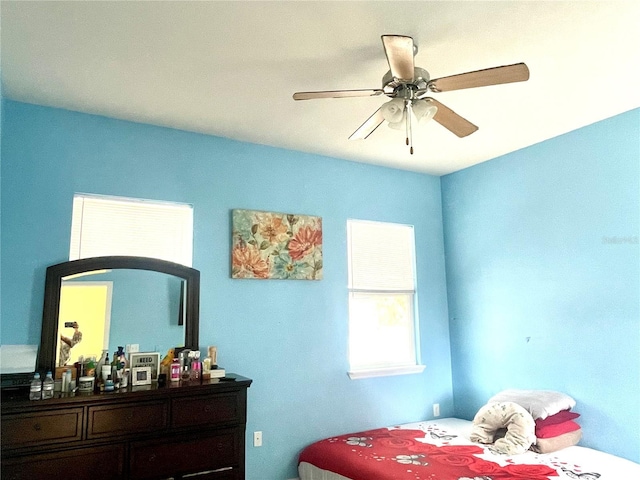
x: 146, y: 359
x: 140, y: 376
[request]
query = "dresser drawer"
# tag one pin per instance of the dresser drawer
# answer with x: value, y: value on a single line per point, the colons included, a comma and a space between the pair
x: 208, y: 410
x: 204, y: 452
x: 53, y: 426
x: 96, y: 463
x: 134, y: 418
x: 219, y: 474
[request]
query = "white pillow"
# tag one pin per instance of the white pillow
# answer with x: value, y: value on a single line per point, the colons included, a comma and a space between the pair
x: 539, y: 403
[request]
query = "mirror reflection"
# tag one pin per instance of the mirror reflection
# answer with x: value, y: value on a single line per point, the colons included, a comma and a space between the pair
x: 103, y: 309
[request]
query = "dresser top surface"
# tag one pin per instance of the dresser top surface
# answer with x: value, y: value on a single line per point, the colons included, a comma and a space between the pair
x: 12, y: 401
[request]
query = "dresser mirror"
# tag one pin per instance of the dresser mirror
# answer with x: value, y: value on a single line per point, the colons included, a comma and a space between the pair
x: 100, y: 303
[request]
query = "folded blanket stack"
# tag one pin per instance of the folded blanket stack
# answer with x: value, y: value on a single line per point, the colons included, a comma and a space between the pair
x: 555, y: 426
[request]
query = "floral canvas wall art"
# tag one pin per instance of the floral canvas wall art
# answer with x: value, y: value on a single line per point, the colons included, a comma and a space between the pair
x: 269, y: 245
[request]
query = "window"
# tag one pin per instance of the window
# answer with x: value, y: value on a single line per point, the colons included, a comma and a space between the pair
x: 103, y: 225
x: 382, y: 299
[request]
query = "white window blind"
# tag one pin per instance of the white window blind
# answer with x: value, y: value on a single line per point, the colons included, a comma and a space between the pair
x: 103, y: 225
x: 381, y: 256
x: 382, y: 314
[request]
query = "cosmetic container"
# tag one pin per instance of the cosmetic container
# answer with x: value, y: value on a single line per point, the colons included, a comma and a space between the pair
x: 175, y: 370
x: 108, y: 385
x: 196, y: 372
x: 85, y: 384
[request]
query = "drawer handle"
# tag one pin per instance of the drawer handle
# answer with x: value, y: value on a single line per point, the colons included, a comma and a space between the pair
x: 152, y: 457
x: 208, y: 408
x: 221, y: 446
x: 37, y: 427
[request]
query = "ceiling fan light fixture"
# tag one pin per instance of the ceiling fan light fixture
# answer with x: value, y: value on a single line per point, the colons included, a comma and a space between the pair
x: 400, y: 124
x: 424, y: 110
x: 393, y: 110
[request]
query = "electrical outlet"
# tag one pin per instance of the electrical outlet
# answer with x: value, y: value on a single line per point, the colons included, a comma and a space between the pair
x: 436, y: 409
x: 257, y: 439
x: 132, y: 348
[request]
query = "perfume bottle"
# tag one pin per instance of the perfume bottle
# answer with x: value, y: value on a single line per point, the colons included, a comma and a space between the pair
x: 196, y: 371
x: 186, y: 356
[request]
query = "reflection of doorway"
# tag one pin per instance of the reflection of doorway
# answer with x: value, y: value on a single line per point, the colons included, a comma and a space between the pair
x: 89, y: 304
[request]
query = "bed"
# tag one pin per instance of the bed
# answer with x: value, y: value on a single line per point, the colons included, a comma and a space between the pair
x: 442, y: 450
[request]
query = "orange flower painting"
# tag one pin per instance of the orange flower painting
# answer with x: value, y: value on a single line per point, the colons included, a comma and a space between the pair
x: 268, y: 245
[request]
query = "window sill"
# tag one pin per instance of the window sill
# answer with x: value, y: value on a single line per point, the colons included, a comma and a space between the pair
x: 385, y: 372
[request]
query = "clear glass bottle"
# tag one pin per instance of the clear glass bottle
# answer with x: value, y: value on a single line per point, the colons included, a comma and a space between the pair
x: 48, y: 386
x: 35, y: 391
x: 196, y: 372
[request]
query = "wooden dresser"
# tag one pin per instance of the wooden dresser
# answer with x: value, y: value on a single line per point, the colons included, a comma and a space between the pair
x: 177, y: 431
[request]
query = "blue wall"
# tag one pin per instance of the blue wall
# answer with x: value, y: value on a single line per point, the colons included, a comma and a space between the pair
x: 542, y: 269
x: 290, y: 337
x: 543, y: 279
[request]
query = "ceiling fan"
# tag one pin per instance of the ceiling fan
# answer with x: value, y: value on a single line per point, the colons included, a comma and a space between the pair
x: 409, y: 87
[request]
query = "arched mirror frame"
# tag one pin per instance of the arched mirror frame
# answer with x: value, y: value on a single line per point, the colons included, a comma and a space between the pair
x: 53, y: 284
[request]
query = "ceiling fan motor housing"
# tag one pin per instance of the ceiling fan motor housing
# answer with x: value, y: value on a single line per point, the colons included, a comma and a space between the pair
x: 393, y: 87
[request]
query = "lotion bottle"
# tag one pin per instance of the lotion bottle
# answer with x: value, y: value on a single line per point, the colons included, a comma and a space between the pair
x: 175, y: 370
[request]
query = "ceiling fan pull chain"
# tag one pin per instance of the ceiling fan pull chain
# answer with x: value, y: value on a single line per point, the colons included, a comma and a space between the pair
x: 406, y: 123
x: 409, y: 130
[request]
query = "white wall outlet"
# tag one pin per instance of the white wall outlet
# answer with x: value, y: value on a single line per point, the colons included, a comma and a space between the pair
x: 257, y: 439
x: 132, y: 348
x: 436, y: 409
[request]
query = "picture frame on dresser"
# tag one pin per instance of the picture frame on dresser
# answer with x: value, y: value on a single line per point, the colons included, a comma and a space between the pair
x: 146, y: 359
x: 140, y: 376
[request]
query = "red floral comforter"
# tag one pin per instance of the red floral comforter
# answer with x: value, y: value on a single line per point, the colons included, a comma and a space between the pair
x: 409, y: 454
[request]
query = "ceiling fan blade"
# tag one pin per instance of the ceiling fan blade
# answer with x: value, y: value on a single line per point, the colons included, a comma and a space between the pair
x: 337, y: 94
x: 481, y: 78
x: 369, y: 126
x: 399, y: 52
x: 451, y: 120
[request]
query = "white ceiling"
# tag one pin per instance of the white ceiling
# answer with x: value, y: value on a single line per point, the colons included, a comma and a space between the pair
x: 230, y: 68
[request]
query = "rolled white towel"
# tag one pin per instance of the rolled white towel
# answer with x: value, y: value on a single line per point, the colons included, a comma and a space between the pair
x: 497, y: 415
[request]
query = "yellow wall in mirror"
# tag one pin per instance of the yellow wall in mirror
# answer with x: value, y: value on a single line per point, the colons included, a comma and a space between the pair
x: 89, y: 304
